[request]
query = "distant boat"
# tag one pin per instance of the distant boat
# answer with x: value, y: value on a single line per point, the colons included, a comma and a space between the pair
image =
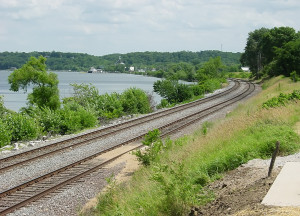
x: 92, y: 70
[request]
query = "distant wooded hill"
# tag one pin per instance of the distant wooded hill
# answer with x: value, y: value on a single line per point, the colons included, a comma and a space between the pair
x: 140, y: 60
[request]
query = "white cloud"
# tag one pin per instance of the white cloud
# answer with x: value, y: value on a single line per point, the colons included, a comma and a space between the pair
x: 105, y: 26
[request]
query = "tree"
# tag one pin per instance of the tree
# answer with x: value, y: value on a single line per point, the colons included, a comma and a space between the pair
x: 173, y: 91
x: 211, y: 69
x: 45, y: 91
x: 253, y: 55
x: 274, y: 39
x: 266, y: 51
x: 288, y: 59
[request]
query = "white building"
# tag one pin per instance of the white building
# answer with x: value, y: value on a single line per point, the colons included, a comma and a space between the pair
x: 245, y: 69
x: 131, y: 69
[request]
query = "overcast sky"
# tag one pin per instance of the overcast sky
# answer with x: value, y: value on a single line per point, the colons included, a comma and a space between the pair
x: 102, y: 27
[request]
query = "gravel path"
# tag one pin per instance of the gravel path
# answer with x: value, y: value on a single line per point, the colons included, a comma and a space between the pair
x: 71, y: 198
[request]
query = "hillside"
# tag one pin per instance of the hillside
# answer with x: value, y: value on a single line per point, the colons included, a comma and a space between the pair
x: 185, y: 175
x: 141, y: 60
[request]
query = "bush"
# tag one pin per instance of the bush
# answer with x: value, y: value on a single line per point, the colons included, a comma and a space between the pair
x: 109, y: 106
x: 173, y: 91
x: 135, y: 101
x: 155, y: 145
x: 74, y: 118
x: 282, y: 99
x: 179, y: 191
x: 163, y: 103
x: 3, y: 109
x: 294, y: 76
x: 5, y: 134
x: 22, y: 126
x: 197, y: 90
x: 50, y: 120
x: 210, y: 85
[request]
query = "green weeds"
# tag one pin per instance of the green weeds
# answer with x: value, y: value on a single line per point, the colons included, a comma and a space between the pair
x: 282, y: 99
x: 175, y: 179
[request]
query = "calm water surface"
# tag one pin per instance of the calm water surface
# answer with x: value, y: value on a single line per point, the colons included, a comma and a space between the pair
x: 105, y: 82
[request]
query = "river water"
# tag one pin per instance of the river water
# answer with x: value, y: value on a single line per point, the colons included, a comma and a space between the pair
x: 104, y: 82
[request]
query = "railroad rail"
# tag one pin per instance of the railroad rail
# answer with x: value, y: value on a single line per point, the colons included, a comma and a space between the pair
x: 34, y: 189
x: 43, y: 151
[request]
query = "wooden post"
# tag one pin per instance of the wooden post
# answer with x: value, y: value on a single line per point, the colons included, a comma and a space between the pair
x: 273, y: 158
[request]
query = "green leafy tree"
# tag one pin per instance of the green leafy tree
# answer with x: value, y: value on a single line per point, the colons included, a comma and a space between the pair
x: 85, y: 94
x: 173, y: 91
x: 288, y: 59
x: 213, y: 68
x: 135, y: 100
x: 275, y: 38
x: 45, y: 84
x: 253, y: 55
x: 272, y: 51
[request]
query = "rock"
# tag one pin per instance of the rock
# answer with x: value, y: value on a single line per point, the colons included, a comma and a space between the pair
x: 16, y: 145
x: 7, y: 147
x: 22, y: 145
x: 5, y: 152
x: 31, y: 143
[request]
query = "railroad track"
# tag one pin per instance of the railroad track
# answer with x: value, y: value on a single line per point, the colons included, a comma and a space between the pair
x: 36, y: 188
x: 37, y: 153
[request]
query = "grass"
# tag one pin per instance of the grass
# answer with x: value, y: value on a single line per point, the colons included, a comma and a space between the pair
x: 175, y: 182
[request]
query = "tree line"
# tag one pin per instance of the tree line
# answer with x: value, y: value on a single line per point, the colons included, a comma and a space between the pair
x: 140, y: 60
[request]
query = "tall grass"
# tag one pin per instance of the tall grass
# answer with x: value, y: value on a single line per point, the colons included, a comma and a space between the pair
x: 176, y: 182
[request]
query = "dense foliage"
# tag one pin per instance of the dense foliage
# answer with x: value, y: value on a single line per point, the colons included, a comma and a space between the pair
x: 272, y: 52
x: 208, y: 78
x: 46, y: 115
x: 85, y: 109
x: 140, y: 60
x: 282, y: 99
x: 45, y: 91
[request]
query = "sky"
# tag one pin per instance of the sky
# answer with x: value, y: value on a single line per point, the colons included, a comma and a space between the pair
x: 101, y: 27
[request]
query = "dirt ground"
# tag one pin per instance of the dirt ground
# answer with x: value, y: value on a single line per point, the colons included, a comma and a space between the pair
x: 240, y: 193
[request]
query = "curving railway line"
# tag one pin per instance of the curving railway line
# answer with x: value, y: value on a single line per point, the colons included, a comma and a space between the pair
x: 21, y: 194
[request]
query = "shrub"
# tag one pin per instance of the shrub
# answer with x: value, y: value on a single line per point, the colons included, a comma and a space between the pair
x: 85, y: 94
x: 197, y: 90
x: 135, y: 101
x: 50, y: 120
x: 179, y: 190
x: 74, y: 118
x: 294, y: 76
x: 155, y: 145
x: 3, y: 109
x: 109, y: 106
x: 5, y: 134
x: 282, y: 99
x: 22, y: 126
x: 163, y: 103
x: 173, y: 91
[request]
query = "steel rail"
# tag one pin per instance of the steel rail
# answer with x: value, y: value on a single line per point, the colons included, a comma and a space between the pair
x: 87, y: 140
x: 47, y: 191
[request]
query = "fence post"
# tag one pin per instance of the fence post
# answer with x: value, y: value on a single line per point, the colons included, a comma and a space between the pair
x: 273, y: 158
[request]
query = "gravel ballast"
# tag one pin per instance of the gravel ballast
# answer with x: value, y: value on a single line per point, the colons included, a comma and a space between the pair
x: 70, y: 199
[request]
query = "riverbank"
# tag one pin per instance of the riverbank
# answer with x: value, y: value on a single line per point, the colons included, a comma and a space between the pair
x: 104, y: 82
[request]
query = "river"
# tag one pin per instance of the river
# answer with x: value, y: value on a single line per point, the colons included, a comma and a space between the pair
x: 104, y: 82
